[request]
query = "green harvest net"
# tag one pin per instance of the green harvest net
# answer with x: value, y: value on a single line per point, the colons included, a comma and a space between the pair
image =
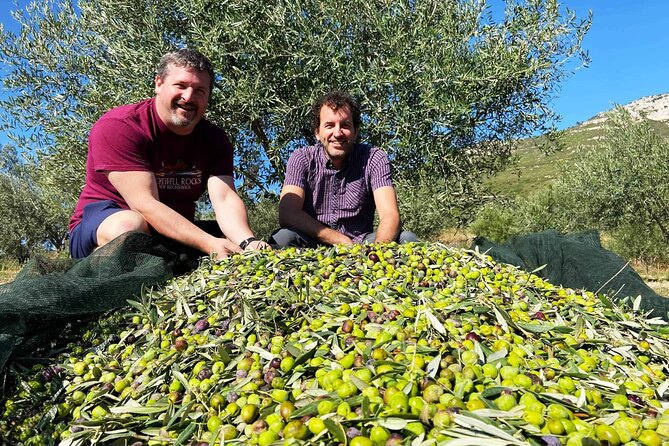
x: 576, y: 261
x: 48, y: 294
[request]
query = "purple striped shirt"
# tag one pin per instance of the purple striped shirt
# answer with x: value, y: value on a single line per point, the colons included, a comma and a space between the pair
x: 340, y: 199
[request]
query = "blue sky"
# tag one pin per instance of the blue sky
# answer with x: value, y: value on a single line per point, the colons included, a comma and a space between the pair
x: 628, y: 44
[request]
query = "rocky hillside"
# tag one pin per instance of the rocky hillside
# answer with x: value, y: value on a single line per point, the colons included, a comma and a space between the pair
x: 655, y: 108
x: 535, y: 168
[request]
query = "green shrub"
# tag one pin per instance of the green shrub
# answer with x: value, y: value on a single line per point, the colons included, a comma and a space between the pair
x: 264, y: 216
x: 500, y: 220
x: 427, y: 209
x: 496, y: 221
x: 631, y: 241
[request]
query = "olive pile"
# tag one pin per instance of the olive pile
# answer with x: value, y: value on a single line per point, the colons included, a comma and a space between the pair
x: 366, y: 345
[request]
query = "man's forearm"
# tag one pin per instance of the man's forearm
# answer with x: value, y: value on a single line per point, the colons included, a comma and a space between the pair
x: 173, y: 225
x: 388, y: 230
x: 232, y: 218
x: 304, y: 222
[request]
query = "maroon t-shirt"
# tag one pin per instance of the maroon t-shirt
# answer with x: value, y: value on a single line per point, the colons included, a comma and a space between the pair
x: 133, y: 138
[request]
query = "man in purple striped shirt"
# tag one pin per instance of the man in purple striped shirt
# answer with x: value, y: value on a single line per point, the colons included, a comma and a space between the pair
x: 332, y: 188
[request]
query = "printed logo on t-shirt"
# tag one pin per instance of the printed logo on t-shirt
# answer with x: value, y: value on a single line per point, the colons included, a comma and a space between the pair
x: 178, y: 176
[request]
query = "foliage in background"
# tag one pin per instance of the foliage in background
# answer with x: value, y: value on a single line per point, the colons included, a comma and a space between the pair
x: 444, y: 84
x: 620, y: 189
x: 264, y: 216
x: 32, y: 219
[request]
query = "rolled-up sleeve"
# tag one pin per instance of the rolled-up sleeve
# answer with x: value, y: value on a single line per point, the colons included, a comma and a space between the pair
x: 296, y: 170
x: 380, y: 170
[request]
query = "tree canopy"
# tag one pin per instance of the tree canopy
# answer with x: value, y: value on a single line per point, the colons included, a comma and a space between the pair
x: 444, y: 84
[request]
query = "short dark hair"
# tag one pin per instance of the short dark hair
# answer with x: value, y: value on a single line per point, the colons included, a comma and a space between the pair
x: 185, y: 57
x: 335, y: 100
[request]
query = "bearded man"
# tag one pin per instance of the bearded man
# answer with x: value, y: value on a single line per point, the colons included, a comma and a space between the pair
x: 149, y: 162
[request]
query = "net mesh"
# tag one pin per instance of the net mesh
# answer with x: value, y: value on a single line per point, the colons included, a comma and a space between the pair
x: 48, y: 294
x: 576, y: 261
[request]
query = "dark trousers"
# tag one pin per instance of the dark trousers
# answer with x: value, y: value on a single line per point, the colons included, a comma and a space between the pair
x: 285, y: 237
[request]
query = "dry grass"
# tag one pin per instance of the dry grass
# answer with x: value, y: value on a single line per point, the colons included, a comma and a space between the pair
x: 661, y: 287
x: 457, y: 238
x: 8, y: 271
x: 656, y: 275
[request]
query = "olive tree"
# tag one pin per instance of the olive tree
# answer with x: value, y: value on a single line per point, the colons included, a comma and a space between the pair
x: 622, y: 189
x: 32, y: 218
x: 444, y: 84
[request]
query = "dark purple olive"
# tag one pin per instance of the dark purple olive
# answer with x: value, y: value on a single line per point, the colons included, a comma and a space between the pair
x: 535, y: 378
x: 201, y: 325
x: 347, y: 326
x: 352, y: 432
x: 549, y: 440
x: 269, y: 376
x: 204, y: 374
x: 51, y: 372
x: 395, y: 439
x: 635, y: 400
x: 225, y: 324
x: 275, y: 363
x: 473, y: 336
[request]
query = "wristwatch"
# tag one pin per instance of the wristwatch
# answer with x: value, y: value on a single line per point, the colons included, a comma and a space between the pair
x: 244, y: 243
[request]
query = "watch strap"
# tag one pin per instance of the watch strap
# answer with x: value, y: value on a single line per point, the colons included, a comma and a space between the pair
x: 244, y: 243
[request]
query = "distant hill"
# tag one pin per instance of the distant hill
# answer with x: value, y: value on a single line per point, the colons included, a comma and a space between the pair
x: 536, y: 168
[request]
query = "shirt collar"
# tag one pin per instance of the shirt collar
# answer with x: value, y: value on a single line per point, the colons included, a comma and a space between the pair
x: 325, y: 161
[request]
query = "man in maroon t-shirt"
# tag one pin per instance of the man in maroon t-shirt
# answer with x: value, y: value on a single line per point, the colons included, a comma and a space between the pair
x: 149, y: 162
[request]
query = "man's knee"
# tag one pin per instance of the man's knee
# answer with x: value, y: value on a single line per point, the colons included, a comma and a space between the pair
x: 285, y: 237
x: 120, y: 223
x: 407, y: 237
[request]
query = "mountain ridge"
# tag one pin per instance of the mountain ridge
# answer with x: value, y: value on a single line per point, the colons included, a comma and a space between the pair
x: 654, y: 107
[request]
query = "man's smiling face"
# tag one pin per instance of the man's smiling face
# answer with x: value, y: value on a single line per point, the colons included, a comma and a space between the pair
x: 182, y: 97
x: 337, y: 133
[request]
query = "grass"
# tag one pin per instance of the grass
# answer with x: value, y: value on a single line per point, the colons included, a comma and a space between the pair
x: 8, y: 270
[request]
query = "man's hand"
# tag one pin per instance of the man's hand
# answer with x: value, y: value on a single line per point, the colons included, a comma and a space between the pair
x: 222, y: 248
x: 257, y: 245
x: 292, y: 215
